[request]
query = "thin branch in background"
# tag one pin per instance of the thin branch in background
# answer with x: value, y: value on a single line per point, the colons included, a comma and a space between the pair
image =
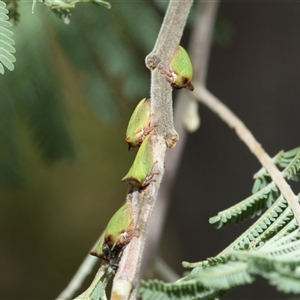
x: 201, y: 38
x: 205, y: 97
x: 200, y: 51
x: 77, y: 280
x: 163, y: 269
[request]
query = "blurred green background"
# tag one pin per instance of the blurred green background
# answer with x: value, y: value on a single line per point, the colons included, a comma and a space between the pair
x: 63, y: 116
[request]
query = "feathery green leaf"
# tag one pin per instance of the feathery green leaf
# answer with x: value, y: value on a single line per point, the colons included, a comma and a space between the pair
x: 287, y: 283
x: 285, y: 158
x: 6, y: 48
x: 182, y: 289
x: 293, y: 168
x: 249, y: 207
x: 223, y: 276
x: 269, y: 248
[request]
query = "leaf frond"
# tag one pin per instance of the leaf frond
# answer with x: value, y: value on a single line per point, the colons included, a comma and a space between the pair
x: 285, y: 159
x: 6, y: 43
x: 281, y: 222
x: 281, y: 261
x: 269, y: 248
x: 286, y: 283
x: 270, y: 223
x: 289, y: 232
x: 208, y: 283
x: 282, y: 159
x: 13, y: 10
x: 250, y: 207
x: 223, y: 276
x: 284, y: 251
x: 292, y: 170
x: 262, y: 177
x: 249, y: 239
x: 182, y: 289
x: 280, y: 267
x: 211, y: 261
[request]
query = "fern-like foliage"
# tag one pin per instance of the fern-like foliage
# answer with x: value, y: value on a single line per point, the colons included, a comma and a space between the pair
x: 250, y: 207
x: 278, y: 264
x: 287, y: 160
x: 97, y: 288
x: 277, y: 260
x: 269, y: 248
x: 182, y: 289
x: 262, y: 177
x: 264, y: 190
x: 273, y: 226
x: 6, y: 43
x: 223, y: 276
x: 291, y: 171
x: 208, y: 283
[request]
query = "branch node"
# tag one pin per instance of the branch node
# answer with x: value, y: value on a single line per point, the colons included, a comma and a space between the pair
x: 172, y: 140
x: 152, y: 61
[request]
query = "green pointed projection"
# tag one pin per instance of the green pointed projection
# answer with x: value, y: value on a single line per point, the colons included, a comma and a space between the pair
x: 180, y: 73
x: 140, y: 173
x: 139, y: 124
x: 117, y: 235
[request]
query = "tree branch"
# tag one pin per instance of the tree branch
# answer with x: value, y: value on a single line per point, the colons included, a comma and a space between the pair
x: 127, y: 279
x: 200, y: 39
x: 205, y: 97
x: 161, y: 92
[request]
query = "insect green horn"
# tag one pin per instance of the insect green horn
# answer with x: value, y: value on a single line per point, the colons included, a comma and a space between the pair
x: 118, y: 233
x: 140, y: 173
x: 180, y: 73
x: 139, y: 124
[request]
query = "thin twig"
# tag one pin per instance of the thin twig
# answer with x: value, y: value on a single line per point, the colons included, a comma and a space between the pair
x: 161, y: 92
x: 126, y: 281
x: 75, y: 283
x: 205, y: 97
x: 201, y: 38
x: 163, y: 269
x: 98, y: 285
x: 200, y: 52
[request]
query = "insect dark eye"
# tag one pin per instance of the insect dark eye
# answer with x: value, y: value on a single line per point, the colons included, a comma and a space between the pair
x: 105, y: 249
x: 185, y: 80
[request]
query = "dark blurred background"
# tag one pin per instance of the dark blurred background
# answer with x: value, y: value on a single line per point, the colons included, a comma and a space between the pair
x: 63, y: 115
